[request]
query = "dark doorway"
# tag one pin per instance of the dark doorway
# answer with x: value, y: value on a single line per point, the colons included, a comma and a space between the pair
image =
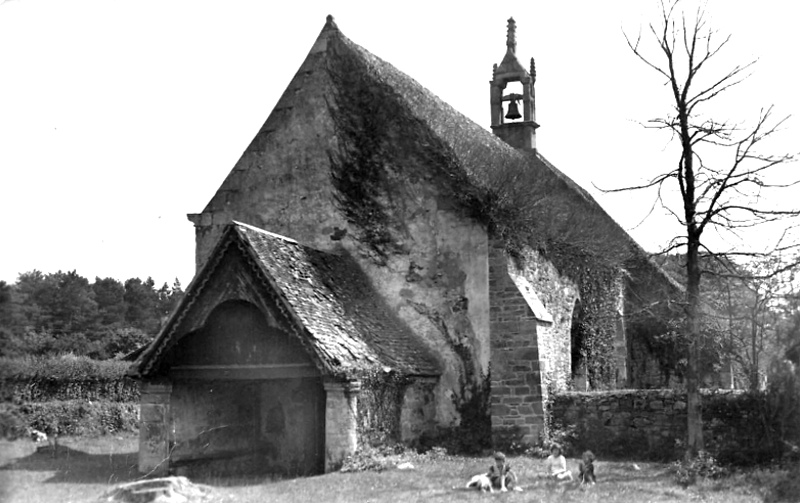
x: 246, y: 399
x: 580, y: 378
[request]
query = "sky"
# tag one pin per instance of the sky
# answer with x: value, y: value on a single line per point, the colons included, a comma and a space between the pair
x: 119, y: 117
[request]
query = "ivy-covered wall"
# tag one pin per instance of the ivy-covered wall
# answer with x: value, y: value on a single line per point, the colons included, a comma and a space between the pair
x: 379, y: 406
x: 558, y: 295
x: 394, y: 409
x: 651, y: 424
x: 337, y: 170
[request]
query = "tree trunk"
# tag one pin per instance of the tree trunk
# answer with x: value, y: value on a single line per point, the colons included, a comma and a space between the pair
x: 754, y: 348
x: 694, y: 411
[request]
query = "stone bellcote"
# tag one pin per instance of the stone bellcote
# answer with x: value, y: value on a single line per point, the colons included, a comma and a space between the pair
x: 516, y: 127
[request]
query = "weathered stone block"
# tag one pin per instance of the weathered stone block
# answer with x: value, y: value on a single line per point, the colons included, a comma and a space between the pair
x: 341, y: 422
x: 500, y: 410
x: 153, y: 449
x: 152, y: 412
x: 526, y: 409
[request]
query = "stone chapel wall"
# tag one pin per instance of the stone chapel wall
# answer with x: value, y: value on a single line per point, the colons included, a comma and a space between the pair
x: 530, y: 316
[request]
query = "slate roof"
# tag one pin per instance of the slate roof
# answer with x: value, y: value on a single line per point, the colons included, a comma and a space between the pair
x: 340, y: 319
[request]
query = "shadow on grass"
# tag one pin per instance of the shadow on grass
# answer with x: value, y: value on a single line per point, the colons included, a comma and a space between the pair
x: 240, y: 481
x: 630, y: 478
x: 70, y: 465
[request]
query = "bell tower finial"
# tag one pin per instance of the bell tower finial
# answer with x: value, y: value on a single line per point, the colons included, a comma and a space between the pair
x: 511, y: 37
x: 520, y: 129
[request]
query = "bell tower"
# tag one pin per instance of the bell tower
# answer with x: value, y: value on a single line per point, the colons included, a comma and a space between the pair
x: 517, y: 130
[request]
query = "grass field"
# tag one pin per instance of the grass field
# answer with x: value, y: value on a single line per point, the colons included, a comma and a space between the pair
x: 84, y: 468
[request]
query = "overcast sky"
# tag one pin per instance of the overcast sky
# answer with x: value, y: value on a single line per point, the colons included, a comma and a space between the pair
x: 117, y: 118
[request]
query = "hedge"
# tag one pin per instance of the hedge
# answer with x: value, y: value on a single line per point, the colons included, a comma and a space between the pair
x: 64, y: 379
x: 75, y: 418
x: 67, y: 367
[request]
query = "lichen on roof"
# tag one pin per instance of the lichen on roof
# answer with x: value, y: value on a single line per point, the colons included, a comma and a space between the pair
x: 330, y: 302
x: 335, y: 302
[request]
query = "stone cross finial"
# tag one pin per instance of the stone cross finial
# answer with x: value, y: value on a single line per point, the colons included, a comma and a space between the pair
x: 511, y: 38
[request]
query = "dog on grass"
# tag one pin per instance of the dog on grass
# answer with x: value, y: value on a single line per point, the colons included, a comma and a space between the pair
x: 482, y: 482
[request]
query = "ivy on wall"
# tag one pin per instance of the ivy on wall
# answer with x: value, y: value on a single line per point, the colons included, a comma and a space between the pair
x: 379, y: 408
x: 382, y: 144
x: 378, y: 137
x: 595, y: 326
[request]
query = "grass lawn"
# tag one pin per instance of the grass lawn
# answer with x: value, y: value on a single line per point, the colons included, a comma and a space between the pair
x: 84, y: 468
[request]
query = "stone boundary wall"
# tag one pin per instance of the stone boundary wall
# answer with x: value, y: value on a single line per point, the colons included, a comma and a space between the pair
x: 651, y: 424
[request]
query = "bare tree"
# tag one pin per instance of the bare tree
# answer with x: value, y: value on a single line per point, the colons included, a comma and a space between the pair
x: 725, y: 192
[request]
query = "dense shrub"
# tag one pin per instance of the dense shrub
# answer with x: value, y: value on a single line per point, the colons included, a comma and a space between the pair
x: 65, y: 367
x: 73, y: 395
x: 65, y: 378
x: 787, y: 489
x: 379, y: 459
x: 704, y: 465
x: 70, y: 417
x: 12, y: 425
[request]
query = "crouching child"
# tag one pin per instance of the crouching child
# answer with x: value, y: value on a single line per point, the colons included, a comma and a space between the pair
x: 586, y: 469
x: 501, y: 475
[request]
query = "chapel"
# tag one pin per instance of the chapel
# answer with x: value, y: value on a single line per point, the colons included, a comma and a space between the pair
x: 375, y: 263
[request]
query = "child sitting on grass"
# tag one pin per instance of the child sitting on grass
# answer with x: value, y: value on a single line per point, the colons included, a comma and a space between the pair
x: 501, y: 475
x: 556, y: 465
x: 586, y: 469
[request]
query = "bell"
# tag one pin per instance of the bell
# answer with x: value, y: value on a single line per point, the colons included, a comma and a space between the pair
x: 513, y: 111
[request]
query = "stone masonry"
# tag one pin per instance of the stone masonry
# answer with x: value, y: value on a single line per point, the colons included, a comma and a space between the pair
x: 153, y: 432
x: 341, y: 422
x: 516, y: 387
x: 530, y: 316
x: 651, y: 424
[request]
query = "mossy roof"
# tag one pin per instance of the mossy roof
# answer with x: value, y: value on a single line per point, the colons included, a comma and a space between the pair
x: 549, y: 200
x: 544, y: 201
x: 328, y: 300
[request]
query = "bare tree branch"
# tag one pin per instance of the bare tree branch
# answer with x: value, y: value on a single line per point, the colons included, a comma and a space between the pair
x: 727, y: 193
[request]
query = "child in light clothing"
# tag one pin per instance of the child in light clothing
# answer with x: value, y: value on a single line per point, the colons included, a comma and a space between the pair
x: 556, y: 465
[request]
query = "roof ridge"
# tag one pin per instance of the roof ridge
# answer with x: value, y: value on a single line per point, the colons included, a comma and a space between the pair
x: 268, y: 233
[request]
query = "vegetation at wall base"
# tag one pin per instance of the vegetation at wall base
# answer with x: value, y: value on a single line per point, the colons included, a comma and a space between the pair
x: 68, y: 395
x: 703, y: 465
x: 379, y: 407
